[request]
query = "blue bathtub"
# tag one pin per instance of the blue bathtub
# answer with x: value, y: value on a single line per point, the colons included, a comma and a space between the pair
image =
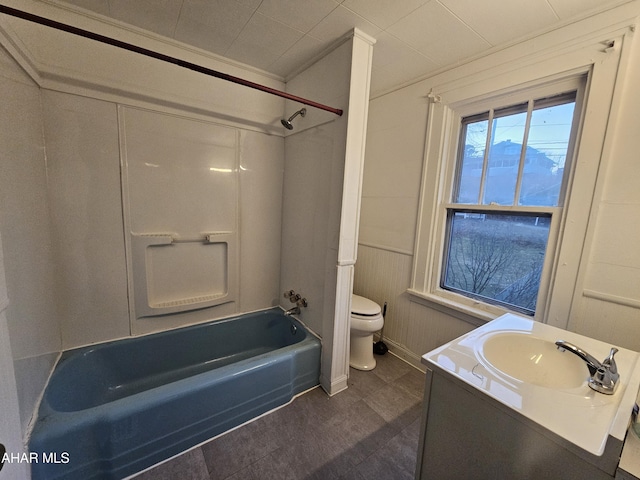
x: 114, y: 409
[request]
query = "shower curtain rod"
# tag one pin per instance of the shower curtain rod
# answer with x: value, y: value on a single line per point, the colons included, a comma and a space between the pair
x: 159, y: 56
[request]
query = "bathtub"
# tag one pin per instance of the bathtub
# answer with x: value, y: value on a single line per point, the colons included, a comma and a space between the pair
x: 114, y: 409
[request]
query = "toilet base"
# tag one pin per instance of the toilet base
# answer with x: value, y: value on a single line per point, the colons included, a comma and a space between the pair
x: 361, y: 356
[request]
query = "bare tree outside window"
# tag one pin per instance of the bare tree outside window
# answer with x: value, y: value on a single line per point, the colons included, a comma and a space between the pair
x: 497, y: 257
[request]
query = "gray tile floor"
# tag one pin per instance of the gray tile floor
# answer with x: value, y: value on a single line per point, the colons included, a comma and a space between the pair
x: 368, y: 431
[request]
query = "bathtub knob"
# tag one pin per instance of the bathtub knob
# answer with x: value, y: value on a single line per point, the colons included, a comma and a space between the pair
x: 289, y: 294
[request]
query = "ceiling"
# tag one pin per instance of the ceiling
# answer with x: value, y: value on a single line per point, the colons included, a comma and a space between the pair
x: 414, y: 37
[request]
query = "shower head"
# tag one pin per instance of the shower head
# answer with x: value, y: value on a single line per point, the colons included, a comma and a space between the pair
x: 287, y: 123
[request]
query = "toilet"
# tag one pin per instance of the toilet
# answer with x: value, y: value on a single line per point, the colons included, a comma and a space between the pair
x: 366, y: 319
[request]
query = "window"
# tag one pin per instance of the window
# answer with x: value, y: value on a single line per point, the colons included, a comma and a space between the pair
x: 497, y: 185
x: 507, y: 190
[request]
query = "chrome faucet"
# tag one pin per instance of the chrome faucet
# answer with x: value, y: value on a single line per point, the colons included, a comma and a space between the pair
x: 297, y: 299
x: 603, y: 375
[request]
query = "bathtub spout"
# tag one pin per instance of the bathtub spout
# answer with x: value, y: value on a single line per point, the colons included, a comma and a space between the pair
x: 293, y: 311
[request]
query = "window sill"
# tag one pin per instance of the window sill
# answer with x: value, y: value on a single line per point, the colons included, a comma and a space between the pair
x: 467, y: 313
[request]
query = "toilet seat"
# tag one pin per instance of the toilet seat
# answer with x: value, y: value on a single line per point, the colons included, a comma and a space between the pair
x: 363, y: 307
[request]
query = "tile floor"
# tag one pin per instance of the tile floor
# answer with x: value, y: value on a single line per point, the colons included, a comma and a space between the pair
x: 368, y: 431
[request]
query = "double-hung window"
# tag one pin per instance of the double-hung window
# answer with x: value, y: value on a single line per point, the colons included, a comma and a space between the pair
x: 507, y: 192
x: 504, y: 190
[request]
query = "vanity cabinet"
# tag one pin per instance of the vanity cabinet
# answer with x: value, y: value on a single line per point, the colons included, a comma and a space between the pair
x: 629, y: 466
x: 468, y: 435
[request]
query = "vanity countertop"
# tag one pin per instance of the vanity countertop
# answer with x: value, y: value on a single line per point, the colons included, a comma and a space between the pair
x: 576, y: 413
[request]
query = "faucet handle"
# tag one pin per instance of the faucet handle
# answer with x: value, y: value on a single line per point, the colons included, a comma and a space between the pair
x: 610, y: 362
x: 292, y: 296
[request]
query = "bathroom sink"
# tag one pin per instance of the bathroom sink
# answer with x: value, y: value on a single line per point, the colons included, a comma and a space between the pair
x: 514, y: 360
x: 533, y: 360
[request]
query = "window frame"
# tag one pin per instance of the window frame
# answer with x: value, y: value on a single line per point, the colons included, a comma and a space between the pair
x: 452, y: 97
x: 575, y: 82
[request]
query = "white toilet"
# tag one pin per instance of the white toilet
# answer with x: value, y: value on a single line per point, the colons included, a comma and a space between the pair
x: 366, y: 319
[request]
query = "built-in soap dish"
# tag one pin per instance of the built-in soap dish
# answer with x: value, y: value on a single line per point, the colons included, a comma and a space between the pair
x: 174, y: 274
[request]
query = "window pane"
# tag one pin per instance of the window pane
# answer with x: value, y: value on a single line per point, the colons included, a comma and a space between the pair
x: 474, y: 139
x: 546, y: 154
x: 504, y: 158
x: 496, y: 257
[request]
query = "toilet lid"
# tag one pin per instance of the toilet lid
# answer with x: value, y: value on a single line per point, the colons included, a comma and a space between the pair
x: 364, y: 306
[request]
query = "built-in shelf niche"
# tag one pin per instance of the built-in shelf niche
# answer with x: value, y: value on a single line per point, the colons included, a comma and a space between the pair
x: 180, y: 190
x: 176, y: 276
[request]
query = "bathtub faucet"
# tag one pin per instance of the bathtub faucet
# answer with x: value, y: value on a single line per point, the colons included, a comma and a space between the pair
x: 604, y: 376
x: 292, y: 311
x: 297, y: 299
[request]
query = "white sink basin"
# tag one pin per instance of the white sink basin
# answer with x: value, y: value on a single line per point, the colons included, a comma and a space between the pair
x: 531, y: 359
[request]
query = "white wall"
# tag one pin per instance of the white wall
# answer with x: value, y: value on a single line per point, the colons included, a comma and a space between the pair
x: 607, y: 300
x: 308, y: 247
x: 609, y: 267
x: 33, y: 323
x: 392, y: 170
x: 10, y: 431
x: 86, y: 215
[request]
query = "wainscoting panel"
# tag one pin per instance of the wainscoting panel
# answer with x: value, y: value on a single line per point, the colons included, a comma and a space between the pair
x: 411, y: 329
